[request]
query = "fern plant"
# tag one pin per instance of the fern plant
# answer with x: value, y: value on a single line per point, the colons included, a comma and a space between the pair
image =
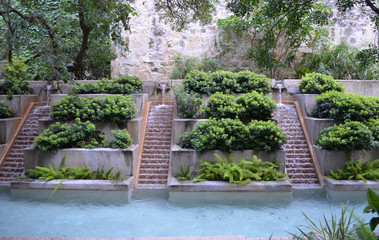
x: 355, y: 170
x: 184, y: 174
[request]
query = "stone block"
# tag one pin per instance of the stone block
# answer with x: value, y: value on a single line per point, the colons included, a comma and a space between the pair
x: 7, y: 128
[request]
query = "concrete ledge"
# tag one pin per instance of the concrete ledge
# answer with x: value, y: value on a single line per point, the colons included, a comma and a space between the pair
x: 18, y: 102
x: 333, y: 160
x: 184, y: 157
x: 307, y: 103
x: 90, y: 185
x: 2, y: 147
x: 220, y: 186
x: 123, y: 160
x: 348, y: 185
x: 7, y: 127
x: 316, y: 125
x: 180, y: 126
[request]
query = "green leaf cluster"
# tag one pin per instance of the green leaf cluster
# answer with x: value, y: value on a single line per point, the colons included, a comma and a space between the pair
x: 347, y: 137
x: 373, y: 125
x: 231, y: 134
x: 226, y: 82
x: 186, y: 64
x: 79, y: 135
x: 5, y: 112
x: 317, y: 83
x: 346, y: 107
x: 184, y: 174
x: 373, y: 207
x: 242, y: 172
x: 120, y: 85
x: 355, y: 170
x: 253, y: 105
x: 114, y: 108
x: 188, y: 104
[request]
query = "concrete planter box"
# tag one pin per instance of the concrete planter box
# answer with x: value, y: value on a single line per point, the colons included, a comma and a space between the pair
x: 350, y: 186
x: 2, y: 147
x: 124, y: 160
x: 184, y: 157
x: 333, y: 160
x: 181, y: 126
x: 18, y: 102
x: 7, y: 127
x: 139, y: 100
x: 316, y: 125
x: 307, y: 103
x: 134, y: 127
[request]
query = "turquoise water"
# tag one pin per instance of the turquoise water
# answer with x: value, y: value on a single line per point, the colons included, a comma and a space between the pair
x: 161, y: 217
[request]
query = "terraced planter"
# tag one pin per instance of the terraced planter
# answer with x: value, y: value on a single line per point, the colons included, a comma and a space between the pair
x: 7, y: 126
x: 123, y: 160
x: 18, y: 102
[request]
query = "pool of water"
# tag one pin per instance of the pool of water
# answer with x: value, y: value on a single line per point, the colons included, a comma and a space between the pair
x: 147, y: 217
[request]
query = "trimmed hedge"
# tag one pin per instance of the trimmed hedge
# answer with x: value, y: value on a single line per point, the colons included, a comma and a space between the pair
x: 347, y: 137
x: 231, y: 134
x: 346, y: 107
x: 373, y: 125
x: 114, y: 108
x: 317, y: 83
x: 250, y: 106
x: 120, y: 85
x: 5, y: 112
x: 226, y: 82
x: 10, y: 87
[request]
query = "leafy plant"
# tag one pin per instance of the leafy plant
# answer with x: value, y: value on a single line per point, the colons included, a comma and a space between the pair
x: 373, y: 207
x: 355, y: 170
x: 249, y: 81
x: 242, y: 172
x: 121, y: 139
x: 188, y: 104
x: 5, y: 112
x: 184, y: 65
x: 184, y: 174
x: 120, y: 85
x: 114, y: 108
x: 373, y: 125
x: 316, y: 83
x: 265, y: 136
x: 221, y: 105
x: 255, y: 105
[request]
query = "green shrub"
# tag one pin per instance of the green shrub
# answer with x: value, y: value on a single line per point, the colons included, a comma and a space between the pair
x: 120, y: 85
x: 248, y: 81
x: 317, y: 83
x: 255, y: 106
x: 355, y: 170
x: 373, y: 125
x: 121, y: 139
x: 346, y: 137
x: 79, y: 135
x: 232, y: 134
x: 241, y: 173
x: 5, y: 112
x: 346, y: 107
x: 11, y: 87
x: 221, y: 105
x: 265, y: 136
x: 226, y: 82
x: 188, y: 104
x: 115, y: 108
x: 186, y: 64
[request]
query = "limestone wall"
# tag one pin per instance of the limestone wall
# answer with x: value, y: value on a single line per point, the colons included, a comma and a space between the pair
x: 153, y: 44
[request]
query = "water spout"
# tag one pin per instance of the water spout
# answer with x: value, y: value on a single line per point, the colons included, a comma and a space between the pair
x: 48, y: 94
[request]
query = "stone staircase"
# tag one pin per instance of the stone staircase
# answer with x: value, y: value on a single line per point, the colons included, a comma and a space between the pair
x: 299, y: 165
x: 154, y: 164
x: 14, y: 163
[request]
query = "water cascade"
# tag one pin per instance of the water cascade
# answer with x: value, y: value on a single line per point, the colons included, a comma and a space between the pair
x: 48, y: 94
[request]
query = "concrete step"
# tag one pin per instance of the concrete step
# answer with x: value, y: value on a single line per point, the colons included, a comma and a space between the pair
x: 152, y: 176
x: 156, y: 151
x: 153, y: 171
x: 152, y: 182
x: 298, y: 160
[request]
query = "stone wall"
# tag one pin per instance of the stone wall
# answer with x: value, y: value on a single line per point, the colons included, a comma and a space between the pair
x: 153, y: 44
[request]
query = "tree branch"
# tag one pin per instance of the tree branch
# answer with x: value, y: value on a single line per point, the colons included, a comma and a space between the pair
x: 372, y: 6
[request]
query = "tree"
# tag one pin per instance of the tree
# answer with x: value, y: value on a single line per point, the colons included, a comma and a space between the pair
x: 62, y: 31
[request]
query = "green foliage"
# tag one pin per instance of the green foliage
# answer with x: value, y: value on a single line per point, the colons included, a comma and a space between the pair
x: 346, y: 137
x: 15, y: 70
x: 373, y: 125
x: 341, y: 61
x: 121, y: 139
x: 79, y: 135
x: 226, y: 82
x: 317, y: 83
x: 346, y: 107
x: 344, y: 228
x: 355, y: 170
x: 241, y: 173
x: 188, y: 104
x: 184, y: 174
x: 373, y: 207
x: 120, y: 85
x: 114, y: 108
x: 5, y: 112
x: 183, y: 65
x: 231, y: 134
x: 255, y: 105
x: 221, y: 105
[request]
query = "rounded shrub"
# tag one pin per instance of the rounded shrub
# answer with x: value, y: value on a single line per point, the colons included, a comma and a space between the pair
x: 188, y: 104
x: 121, y: 139
x: 248, y: 81
x: 198, y: 82
x: 114, y: 108
x: 373, y: 125
x: 347, y: 137
x: 224, y: 81
x: 265, y: 136
x: 317, y: 83
x: 255, y: 106
x: 5, y: 112
x: 10, y: 87
x: 221, y: 105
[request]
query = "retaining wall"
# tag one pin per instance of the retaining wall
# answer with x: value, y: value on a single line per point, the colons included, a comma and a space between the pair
x: 124, y: 160
x: 7, y: 127
x: 18, y: 102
